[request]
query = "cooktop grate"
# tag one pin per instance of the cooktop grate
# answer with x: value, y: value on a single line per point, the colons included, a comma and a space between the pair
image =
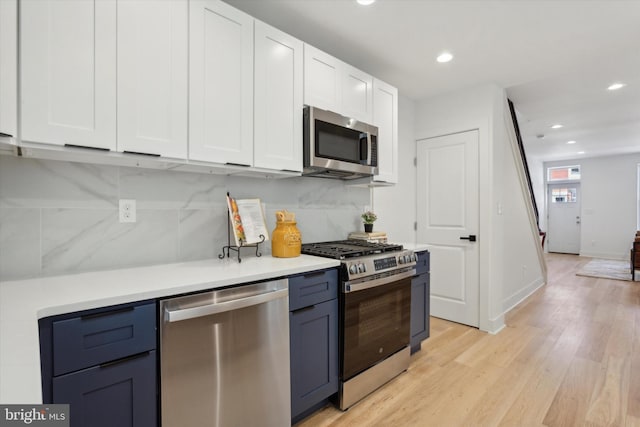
x: 342, y: 249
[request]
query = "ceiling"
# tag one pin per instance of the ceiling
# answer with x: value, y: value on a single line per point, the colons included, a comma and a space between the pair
x: 556, y: 58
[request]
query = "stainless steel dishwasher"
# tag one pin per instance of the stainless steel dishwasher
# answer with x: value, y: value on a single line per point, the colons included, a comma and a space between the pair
x: 224, y: 357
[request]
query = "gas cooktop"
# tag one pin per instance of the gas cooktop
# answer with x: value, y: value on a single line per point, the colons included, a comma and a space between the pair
x: 343, y: 249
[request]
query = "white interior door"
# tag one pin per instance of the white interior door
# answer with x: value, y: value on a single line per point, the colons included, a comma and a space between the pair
x: 563, y: 208
x: 447, y: 220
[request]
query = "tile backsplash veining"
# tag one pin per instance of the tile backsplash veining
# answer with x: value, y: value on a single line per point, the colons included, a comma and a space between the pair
x: 62, y: 217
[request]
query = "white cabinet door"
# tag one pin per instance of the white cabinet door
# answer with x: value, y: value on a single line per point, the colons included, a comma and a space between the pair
x: 357, y: 94
x: 221, y: 83
x: 278, y: 99
x: 323, y: 80
x: 68, y: 72
x: 385, y: 117
x: 153, y: 76
x: 8, y: 67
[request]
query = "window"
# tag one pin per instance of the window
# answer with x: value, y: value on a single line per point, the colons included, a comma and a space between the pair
x: 563, y: 173
x: 563, y: 195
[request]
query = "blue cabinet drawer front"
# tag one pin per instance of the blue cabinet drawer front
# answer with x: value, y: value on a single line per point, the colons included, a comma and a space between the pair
x: 90, y: 340
x: 422, y: 266
x: 312, y: 288
x: 121, y: 394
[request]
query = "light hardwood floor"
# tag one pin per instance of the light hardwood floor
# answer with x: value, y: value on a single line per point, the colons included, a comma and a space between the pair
x: 569, y: 356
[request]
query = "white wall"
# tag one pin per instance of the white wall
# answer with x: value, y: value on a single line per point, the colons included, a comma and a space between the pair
x: 396, y: 205
x: 501, y: 237
x: 521, y: 266
x: 609, y: 192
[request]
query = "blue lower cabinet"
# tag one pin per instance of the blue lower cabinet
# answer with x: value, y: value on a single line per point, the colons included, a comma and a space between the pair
x: 420, y: 305
x: 314, y: 356
x: 102, y: 363
x: 120, y: 393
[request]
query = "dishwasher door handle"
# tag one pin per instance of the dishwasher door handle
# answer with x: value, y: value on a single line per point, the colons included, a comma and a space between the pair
x: 222, y: 307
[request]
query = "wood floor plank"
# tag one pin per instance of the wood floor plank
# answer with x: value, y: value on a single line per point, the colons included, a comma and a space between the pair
x: 632, y: 421
x: 536, y: 397
x: 495, y: 404
x: 633, y: 408
x: 571, y: 402
x: 608, y: 406
x: 498, y: 349
x: 595, y: 341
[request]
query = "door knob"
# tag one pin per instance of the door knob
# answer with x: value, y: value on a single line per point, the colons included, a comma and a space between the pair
x: 470, y: 237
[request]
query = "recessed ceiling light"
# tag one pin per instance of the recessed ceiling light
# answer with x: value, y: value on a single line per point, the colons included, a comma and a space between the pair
x: 616, y: 86
x: 580, y: 152
x: 557, y: 126
x: 365, y: 2
x: 571, y: 142
x: 444, y: 57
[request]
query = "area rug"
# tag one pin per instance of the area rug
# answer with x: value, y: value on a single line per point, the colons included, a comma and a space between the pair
x: 607, y: 269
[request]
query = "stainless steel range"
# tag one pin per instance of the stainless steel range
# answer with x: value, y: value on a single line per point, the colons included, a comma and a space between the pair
x: 375, y: 313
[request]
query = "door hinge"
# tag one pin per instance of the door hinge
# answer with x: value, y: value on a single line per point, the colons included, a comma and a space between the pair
x: 415, y: 225
x: 415, y: 161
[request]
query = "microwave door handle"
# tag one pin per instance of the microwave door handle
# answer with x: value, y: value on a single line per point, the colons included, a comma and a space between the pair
x: 365, y: 138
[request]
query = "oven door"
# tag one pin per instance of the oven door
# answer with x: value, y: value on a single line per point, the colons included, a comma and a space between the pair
x: 376, y: 322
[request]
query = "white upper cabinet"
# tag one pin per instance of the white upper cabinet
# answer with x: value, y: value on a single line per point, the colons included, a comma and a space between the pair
x: 385, y: 117
x: 8, y: 67
x: 221, y: 83
x: 333, y: 85
x: 153, y: 77
x: 357, y: 94
x: 323, y: 79
x: 68, y: 72
x: 278, y: 99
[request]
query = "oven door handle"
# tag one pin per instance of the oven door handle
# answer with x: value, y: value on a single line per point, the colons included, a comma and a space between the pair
x: 367, y: 284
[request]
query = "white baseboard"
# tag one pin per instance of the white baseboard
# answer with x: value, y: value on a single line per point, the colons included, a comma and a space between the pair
x: 510, y: 302
x: 606, y: 255
x: 496, y: 325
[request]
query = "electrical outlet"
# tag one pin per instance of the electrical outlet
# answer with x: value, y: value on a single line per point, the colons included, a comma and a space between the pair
x: 127, y: 210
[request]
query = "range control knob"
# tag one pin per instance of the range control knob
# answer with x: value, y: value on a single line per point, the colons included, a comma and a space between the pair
x: 362, y: 268
x: 353, y: 269
x: 400, y: 259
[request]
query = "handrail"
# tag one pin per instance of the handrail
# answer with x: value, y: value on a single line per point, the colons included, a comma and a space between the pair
x: 524, y: 161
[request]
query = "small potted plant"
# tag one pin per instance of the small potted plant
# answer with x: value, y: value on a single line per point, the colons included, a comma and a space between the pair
x: 368, y: 218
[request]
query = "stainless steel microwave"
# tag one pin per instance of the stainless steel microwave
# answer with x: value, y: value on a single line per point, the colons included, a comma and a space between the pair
x: 338, y: 147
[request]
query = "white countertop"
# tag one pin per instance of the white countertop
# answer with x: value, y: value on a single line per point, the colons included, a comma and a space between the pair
x: 416, y: 247
x: 23, y: 302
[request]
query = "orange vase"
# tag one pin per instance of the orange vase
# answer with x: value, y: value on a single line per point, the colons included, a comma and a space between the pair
x: 286, y: 241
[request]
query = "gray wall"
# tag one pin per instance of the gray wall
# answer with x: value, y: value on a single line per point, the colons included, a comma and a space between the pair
x: 62, y: 217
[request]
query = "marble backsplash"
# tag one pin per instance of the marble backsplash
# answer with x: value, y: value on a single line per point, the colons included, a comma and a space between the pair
x: 62, y: 217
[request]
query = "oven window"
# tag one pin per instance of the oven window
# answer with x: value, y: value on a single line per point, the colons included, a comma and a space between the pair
x: 376, y: 325
x: 338, y: 143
